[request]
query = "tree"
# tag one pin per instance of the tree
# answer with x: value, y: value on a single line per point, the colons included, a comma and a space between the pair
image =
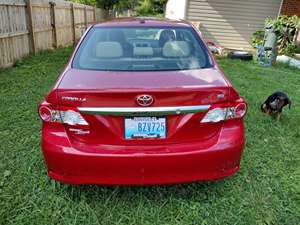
x: 104, y: 4
x: 151, y: 7
x: 143, y: 7
x: 159, y: 6
x: 128, y: 4
x: 86, y: 2
x: 107, y: 4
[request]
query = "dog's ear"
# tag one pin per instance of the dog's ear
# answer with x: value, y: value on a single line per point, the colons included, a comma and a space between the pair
x: 263, y: 107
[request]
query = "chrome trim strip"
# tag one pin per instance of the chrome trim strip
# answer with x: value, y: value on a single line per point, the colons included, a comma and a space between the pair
x: 144, y: 111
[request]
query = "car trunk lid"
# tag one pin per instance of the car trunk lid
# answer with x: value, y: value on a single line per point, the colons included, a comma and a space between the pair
x: 91, y: 91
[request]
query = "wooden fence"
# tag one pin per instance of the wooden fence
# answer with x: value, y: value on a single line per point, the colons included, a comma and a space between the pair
x: 29, y: 26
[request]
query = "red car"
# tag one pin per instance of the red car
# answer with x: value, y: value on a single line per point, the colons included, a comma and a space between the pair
x: 142, y: 101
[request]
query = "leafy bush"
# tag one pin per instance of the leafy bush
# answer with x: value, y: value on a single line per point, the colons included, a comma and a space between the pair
x: 290, y: 49
x: 257, y: 38
x: 285, y: 28
x: 297, y: 49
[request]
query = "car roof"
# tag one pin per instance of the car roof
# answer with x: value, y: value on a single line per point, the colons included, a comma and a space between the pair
x: 143, y: 22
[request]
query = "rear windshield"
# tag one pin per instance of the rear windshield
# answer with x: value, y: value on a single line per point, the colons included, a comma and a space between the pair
x: 141, y: 49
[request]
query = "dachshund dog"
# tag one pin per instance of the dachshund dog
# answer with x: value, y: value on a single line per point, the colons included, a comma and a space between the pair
x: 275, y: 103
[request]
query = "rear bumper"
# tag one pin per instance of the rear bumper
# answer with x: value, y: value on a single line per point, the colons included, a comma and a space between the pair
x: 164, y: 164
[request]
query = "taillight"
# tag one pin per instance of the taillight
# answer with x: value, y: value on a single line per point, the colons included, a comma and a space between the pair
x: 240, y: 110
x: 69, y: 116
x: 45, y: 113
x: 224, y: 113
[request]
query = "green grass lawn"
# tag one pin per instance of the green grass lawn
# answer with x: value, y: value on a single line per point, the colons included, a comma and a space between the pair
x: 265, y: 191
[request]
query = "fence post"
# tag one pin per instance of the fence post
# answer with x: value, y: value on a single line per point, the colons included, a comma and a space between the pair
x: 30, y: 26
x: 73, y: 23
x: 53, y: 23
x: 94, y: 14
x: 85, y: 18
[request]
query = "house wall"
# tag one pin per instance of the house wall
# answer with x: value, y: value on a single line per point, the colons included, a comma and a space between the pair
x: 176, y: 9
x: 290, y: 7
x: 230, y: 23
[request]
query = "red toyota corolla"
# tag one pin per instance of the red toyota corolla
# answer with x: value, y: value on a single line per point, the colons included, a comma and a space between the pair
x: 142, y: 101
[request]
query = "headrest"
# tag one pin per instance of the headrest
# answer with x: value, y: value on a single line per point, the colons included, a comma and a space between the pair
x: 109, y: 49
x: 176, y: 49
x: 143, y: 51
x: 165, y: 36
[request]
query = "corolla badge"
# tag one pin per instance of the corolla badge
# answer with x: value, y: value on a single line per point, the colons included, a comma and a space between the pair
x: 144, y: 100
x: 74, y: 99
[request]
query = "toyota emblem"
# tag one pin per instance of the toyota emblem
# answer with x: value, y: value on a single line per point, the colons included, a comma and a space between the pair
x: 144, y: 100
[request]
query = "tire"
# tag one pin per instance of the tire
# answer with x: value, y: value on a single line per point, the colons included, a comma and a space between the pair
x: 240, y: 55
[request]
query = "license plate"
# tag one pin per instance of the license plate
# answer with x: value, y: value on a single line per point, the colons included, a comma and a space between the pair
x: 145, y: 127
